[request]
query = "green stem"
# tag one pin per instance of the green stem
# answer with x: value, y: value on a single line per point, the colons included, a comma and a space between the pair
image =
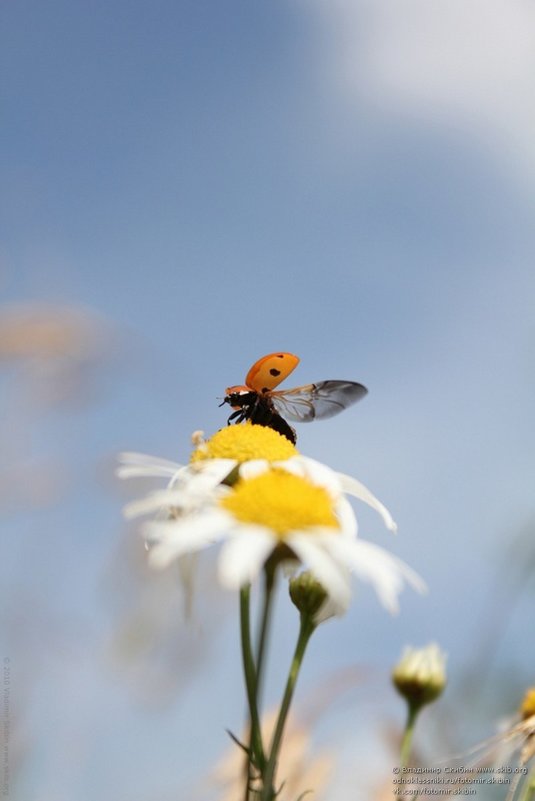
x: 529, y: 792
x: 406, y: 742
x: 269, y: 577
x: 256, y: 753
x: 305, y: 632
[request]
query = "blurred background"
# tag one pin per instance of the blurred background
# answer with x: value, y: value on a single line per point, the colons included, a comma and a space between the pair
x: 187, y: 186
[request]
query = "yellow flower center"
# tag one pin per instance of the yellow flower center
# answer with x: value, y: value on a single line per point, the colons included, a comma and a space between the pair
x: 528, y: 704
x: 282, y: 502
x: 246, y: 442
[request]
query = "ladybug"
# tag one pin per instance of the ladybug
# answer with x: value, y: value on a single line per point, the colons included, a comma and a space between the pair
x: 259, y: 402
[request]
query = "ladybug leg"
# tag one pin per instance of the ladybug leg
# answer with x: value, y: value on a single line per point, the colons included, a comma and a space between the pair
x: 236, y: 416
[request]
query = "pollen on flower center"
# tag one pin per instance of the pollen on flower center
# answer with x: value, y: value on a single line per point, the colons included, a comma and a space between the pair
x: 246, y: 442
x: 282, y: 502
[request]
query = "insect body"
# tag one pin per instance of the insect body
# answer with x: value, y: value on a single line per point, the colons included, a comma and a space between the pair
x: 258, y: 401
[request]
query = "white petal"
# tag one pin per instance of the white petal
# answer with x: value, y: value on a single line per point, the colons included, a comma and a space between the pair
x: 243, y: 555
x: 144, y: 459
x: 385, y: 572
x: 353, y: 487
x: 183, y: 496
x: 329, y: 609
x: 156, y: 501
x: 253, y: 468
x: 346, y: 516
x: 334, y: 577
x: 196, y: 486
x: 170, y: 539
x: 179, y: 475
x: 314, y: 471
x: 137, y: 471
x: 206, y: 474
x: 290, y: 567
x: 293, y: 465
x: 133, y: 465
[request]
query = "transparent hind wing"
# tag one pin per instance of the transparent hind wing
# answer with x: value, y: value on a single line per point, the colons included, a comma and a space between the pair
x: 317, y: 401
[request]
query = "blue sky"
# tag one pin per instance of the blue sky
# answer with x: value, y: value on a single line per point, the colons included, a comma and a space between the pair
x: 213, y: 181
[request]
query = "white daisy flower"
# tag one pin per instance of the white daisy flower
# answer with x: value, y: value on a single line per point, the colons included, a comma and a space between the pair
x: 283, y: 506
x: 248, y: 449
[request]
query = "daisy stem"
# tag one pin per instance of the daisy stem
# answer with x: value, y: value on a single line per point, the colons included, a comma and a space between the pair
x: 305, y: 631
x: 256, y: 753
x: 269, y: 577
x: 269, y: 582
x: 406, y: 742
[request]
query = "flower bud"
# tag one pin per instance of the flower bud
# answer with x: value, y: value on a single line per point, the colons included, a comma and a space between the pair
x: 307, y: 594
x: 527, y: 708
x: 420, y: 675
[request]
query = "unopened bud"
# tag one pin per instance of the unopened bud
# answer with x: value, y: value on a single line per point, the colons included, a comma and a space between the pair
x: 420, y: 675
x: 307, y: 594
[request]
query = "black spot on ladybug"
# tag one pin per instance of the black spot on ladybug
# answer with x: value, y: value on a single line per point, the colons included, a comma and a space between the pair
x: 274, y: 372
x: 280, y: 355
x: 265, y: 389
